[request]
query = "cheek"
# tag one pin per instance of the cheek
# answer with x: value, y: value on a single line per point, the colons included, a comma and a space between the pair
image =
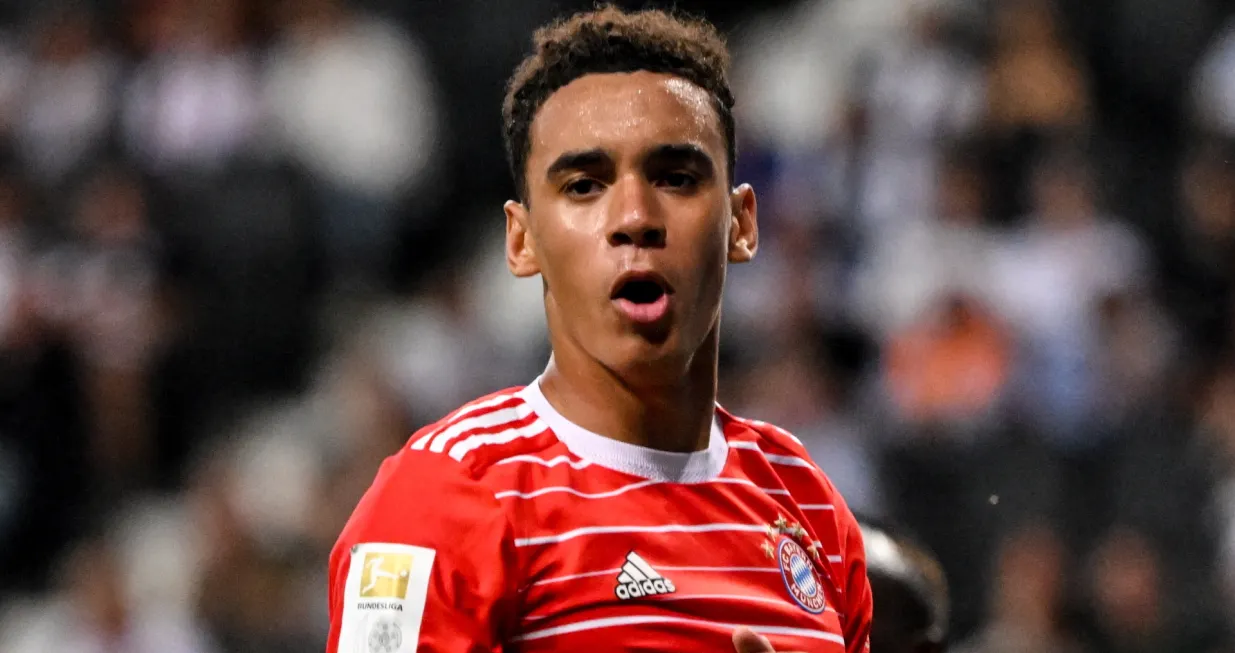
x: 711, y: 259
x: 567, y: 252
x: 718, y: 238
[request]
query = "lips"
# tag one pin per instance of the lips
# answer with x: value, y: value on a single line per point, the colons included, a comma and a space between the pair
x: 642, y: 296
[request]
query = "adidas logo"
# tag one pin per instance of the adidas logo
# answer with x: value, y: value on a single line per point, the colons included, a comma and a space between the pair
x: 638, y: 579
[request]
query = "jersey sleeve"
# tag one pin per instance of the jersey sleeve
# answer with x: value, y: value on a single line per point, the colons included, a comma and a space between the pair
x: 860, y: 606
x: 423, y: 564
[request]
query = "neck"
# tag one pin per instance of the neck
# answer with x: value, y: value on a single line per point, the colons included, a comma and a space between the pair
x: 669, y: 410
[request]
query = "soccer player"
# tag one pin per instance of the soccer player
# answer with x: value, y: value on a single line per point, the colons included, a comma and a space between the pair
x: 911, y: 612
x: 611, y: 504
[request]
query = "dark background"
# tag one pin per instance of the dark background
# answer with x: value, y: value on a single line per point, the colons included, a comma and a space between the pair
x: 247, y: 246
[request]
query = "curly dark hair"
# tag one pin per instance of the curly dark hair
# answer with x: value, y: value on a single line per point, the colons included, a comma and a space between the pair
x: 611, y: 40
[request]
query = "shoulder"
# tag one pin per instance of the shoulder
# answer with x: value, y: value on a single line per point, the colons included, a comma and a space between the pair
x: 430, y: 520
x: 777, y: 445
x: 482, y: 434
x: 785, y: 452
x: 781, y: 449
x: 447, y: 473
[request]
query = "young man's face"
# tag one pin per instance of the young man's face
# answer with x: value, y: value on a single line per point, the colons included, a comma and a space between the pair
x: 629, y: 218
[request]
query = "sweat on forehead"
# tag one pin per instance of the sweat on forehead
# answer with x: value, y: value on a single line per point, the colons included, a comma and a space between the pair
x: 625, y: 110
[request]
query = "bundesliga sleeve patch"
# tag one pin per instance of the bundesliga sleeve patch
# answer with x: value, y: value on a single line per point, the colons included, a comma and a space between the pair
x: 384, y: 598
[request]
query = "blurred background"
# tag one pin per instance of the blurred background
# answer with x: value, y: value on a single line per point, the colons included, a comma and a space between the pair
x: 248, y: 246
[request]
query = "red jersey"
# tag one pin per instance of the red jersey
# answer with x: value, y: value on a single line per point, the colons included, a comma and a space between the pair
x: 505, y: 527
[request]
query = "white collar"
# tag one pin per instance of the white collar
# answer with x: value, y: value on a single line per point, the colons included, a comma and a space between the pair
x: 645, y: 462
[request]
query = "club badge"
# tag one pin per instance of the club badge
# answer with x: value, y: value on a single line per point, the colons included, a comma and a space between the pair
x: 790, y: 545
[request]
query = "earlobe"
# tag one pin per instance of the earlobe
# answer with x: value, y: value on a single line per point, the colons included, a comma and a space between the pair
x: 520, y: 245
x: 744, y: 231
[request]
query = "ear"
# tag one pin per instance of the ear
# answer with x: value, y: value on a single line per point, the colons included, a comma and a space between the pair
x: 744, y: 232
x: 520, y: 245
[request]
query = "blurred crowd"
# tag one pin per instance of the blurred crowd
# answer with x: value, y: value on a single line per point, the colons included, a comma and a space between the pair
x: 248, y: 246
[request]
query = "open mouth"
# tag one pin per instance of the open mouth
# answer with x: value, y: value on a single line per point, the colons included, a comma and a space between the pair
x: 643, y: 297
x: 640, y: 291
x: 644, y: 287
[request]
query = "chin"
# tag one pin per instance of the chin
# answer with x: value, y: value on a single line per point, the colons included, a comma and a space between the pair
x: 637, y: 358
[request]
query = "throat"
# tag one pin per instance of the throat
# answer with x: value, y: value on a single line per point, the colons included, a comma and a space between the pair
x: 676, y: 419
x: 667, y: 405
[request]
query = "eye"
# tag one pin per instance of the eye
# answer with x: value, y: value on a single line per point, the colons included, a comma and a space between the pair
x: 582, y: 187
x: 678, y: 180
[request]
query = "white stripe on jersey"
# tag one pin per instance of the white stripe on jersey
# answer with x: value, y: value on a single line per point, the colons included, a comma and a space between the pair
x: 708, y: 597
x: 571, y: 490
x: 554, y: 462
x: 443, y: 436
x: 488, y: 420
x: 609, y: 622
x: 606, y: 572
x: 816, y: 506
x: 730, y: 597
x: 667, y: 528
x: 626, y: 488
x: 466, y: 410
x: 561, y: 579
x: 759, y: 423
x: 742, y: 481
x: 742, y: 444
x: 467, y: 445
x: 791, y: 461
x: 771, y: 570
x: 835, y: 559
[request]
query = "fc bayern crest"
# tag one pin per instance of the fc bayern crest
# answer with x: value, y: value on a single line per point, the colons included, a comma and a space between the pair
x: 801, y: 579
x: 797, y: 569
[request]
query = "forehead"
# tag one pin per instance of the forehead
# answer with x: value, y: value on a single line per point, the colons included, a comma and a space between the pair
x: 624, y: 113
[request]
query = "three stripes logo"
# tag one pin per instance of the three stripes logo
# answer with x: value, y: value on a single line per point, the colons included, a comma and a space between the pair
x: 637, y: 579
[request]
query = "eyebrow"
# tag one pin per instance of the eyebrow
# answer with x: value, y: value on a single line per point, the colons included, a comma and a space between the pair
x: 577, y: 160
x: 667, y: 154
x: 683, y: 153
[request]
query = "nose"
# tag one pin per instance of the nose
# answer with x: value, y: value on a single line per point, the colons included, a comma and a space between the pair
x: 635, y: 218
